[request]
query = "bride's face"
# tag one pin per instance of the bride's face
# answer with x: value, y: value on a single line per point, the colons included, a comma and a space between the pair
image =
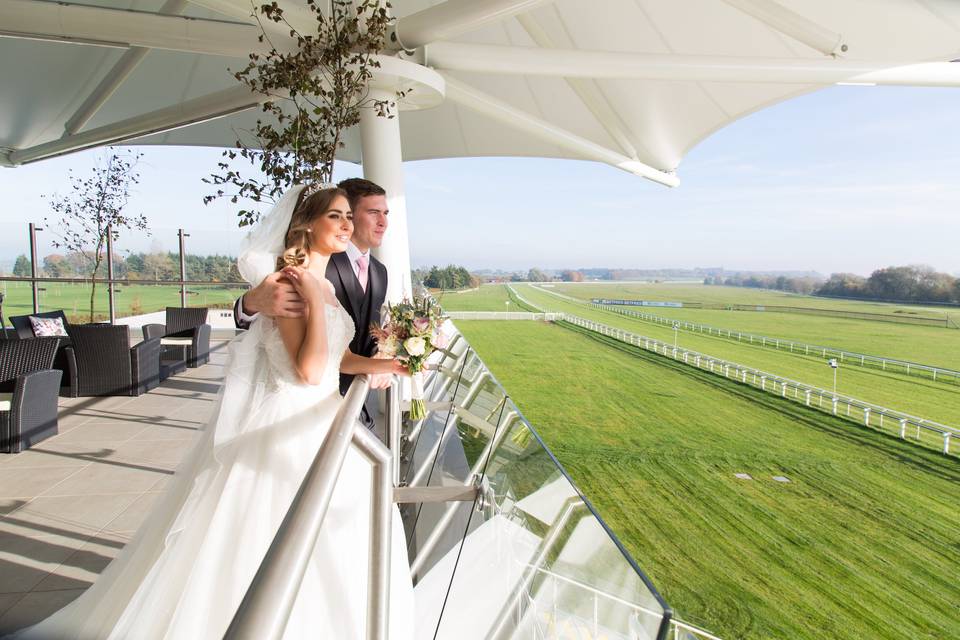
x: 330, y: 231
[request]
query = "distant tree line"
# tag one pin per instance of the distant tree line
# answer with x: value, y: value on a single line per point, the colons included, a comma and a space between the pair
x: 912, y: 283
x: 450, y: 277
x: 536, y: 275
x: 802, y: 284
x: 136, y: 266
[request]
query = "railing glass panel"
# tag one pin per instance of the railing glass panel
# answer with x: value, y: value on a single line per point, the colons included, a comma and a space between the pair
x: 530, y: 557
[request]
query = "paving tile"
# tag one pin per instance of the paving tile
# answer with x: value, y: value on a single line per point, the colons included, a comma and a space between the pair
x: 9, y: 505
x: 22, y: 483
x: 54, y: 453
x: 34, y: 607
x: 73, y: 514
x: 26, y: 561
x: 169, y: 432
x: 39, y: 456
x: 109, y: 477
x: 7, y: 600
x: 165, y: 454
x: 82, y: 567
x: 100, y: 430
x: 134, y: 515
x: 118, y: 452
x: 30, y: 527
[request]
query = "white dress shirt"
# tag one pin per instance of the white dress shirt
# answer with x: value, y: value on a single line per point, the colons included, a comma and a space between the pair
x: 354, y: 254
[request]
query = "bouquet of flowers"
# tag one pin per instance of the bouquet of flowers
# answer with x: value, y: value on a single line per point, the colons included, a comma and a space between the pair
x: 411, y: 334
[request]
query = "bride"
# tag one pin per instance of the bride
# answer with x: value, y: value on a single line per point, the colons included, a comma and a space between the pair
x: 188, y: 567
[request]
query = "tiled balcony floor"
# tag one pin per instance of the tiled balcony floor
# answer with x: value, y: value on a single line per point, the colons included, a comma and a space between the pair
x: 68, y: 505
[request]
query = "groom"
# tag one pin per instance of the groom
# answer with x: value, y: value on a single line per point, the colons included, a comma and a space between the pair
x: 360, y: 280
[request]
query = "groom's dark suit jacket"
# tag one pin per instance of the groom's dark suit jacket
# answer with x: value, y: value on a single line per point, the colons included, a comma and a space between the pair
x: 363, y: 306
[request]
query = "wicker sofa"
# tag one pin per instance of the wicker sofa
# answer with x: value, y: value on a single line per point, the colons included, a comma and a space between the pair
x: 28, y: 392
x: 102, y: 362
x: 25, y: 328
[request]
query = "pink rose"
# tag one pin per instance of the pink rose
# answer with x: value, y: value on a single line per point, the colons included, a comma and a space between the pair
x: 421, y: 324
x: 440, y: 340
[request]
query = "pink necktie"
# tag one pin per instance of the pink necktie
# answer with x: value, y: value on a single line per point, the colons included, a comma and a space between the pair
x: 362, y: 272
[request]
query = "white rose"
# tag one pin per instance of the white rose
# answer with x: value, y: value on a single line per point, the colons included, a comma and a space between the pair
x: 415, y: 346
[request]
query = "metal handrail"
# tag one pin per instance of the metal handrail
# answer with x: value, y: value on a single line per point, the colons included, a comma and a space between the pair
x: 121, y: 281
x: 266, y: 607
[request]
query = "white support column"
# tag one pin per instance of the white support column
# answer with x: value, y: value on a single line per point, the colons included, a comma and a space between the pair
x: 383, y: 163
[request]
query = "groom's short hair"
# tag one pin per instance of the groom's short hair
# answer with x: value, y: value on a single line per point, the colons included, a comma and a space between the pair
x: 357, y: 188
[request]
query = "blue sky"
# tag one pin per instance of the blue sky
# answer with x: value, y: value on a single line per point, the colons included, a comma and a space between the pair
x: 845, y: 179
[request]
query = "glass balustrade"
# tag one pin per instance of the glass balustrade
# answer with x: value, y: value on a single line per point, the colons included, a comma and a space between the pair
x: 530, y: 557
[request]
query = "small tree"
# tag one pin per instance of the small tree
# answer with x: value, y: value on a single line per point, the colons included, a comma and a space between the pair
x: 315, y: 92
x: 22, y: 266
x: 94, y: 208
x: 536, y: 275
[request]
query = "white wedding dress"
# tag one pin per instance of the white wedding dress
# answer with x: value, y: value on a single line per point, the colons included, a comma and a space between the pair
x: 189, y: 566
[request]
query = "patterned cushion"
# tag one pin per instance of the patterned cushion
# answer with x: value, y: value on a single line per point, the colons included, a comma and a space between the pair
x: 47, y: 327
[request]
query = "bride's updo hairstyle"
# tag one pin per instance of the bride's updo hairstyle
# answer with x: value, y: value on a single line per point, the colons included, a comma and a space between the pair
x: 311, y: 203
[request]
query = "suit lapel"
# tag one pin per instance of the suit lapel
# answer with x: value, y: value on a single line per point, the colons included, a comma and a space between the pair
x: 378, y: 284
x: 351, y: 286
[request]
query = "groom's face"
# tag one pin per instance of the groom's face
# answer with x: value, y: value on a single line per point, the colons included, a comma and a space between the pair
x: 369, y: 222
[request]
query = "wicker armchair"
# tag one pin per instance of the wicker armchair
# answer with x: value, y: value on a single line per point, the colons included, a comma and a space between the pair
x: 102, y: 363
x: 187, y: 335
x: 28, y: 392
x: 170, y: 360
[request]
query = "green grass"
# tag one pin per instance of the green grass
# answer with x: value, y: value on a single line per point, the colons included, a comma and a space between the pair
x: 74, y: 299
x: 917, y: 343
x: 690, y: 292
x: 925, y: 398
x: 864, y: 542
x: 485, y: 298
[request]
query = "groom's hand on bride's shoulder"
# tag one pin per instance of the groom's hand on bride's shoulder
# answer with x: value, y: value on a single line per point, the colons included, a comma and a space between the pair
x: 275, y: 297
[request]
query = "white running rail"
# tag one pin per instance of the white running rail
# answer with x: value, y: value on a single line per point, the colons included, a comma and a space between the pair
x: 848, y: 357
x: 869, y: 414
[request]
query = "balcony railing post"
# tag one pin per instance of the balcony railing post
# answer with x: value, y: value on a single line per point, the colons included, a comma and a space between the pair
x: 110, y: 291
x: 393, y: 428
x: 33, y: 267
x: 381, y: 530
x: 183, y: 268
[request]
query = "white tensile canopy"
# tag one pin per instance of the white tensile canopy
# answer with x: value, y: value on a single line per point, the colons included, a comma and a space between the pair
x: 632, y: 83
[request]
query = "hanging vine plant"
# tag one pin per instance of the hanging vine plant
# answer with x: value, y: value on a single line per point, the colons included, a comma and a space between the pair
x: 315, y: 91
